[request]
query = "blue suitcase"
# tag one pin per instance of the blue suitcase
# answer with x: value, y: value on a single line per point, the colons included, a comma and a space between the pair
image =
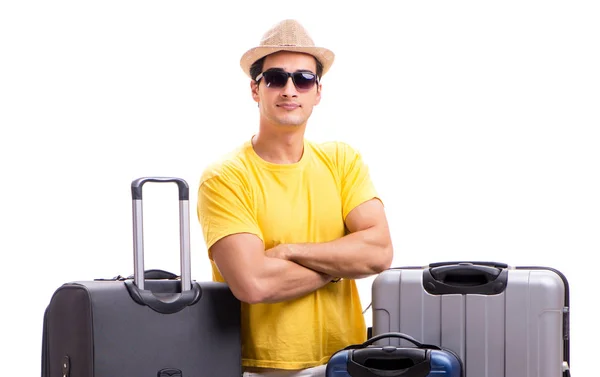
x: 369, y: 360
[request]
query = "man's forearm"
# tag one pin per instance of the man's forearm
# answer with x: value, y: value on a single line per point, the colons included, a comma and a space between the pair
x: 353, y: 256
x: 281, y: 280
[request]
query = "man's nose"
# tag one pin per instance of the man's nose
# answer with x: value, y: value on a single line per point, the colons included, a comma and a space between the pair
x: 289, y: 90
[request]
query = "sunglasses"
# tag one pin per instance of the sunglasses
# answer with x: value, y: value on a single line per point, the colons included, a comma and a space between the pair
x: 278, y: 79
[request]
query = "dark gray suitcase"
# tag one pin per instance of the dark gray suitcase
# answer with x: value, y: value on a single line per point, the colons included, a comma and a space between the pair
x: 145, y: 325
x: 502, y: 321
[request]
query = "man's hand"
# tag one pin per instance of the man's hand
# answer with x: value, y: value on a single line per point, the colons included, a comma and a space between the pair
x: 281, y: 251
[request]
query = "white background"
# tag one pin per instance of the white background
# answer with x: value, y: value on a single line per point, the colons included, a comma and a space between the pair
x: 480, y: 122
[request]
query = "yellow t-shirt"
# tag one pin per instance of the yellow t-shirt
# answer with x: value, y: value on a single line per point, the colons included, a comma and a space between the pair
x: 290, y: 203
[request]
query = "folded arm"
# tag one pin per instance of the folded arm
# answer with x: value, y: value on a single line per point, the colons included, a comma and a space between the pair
x: 254, y: 277
x: 365, y: 251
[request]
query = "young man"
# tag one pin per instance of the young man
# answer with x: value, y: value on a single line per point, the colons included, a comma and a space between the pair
x: 289, y: 224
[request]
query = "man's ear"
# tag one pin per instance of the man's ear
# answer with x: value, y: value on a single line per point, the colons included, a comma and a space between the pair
x: 254, y: 89
x: 318, y: 97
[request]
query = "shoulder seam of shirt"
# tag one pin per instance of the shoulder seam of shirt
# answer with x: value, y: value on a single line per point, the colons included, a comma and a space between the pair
x: 217, y: 168
x: 219, y: 175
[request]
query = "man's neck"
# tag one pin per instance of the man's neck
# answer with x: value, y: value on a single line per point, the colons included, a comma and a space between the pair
x: 280, y: 148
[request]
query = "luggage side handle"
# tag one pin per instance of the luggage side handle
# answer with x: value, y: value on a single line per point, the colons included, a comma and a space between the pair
x: 190, y: 293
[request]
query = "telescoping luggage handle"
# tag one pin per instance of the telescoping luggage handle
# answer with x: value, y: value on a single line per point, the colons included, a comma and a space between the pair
x: 138, y: 229
x: 189, y: 293
x: 417, y: 360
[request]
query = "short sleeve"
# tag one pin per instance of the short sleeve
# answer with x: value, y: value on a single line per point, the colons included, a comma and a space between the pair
x: 356, y: 184
x: 225, y: 208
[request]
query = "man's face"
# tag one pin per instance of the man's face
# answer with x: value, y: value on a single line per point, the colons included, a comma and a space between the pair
x: 287, y: 106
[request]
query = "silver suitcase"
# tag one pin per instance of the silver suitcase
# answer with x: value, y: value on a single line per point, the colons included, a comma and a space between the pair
x: 502, y: 321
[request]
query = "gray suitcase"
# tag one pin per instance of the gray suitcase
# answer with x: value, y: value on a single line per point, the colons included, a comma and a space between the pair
x: 151, y: 324
x: 502, y: 321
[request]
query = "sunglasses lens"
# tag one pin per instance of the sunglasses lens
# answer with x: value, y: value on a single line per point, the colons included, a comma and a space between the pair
x: 275, y: 79
x: 304, y: 80
x: 279, y: 79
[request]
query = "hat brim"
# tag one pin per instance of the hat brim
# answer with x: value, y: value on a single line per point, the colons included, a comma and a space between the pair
x: 322, y: 54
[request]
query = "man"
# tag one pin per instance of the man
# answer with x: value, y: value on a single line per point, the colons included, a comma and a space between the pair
x: 289, y: 224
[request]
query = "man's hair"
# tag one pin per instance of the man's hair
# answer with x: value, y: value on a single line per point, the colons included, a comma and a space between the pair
x: 257, y: 67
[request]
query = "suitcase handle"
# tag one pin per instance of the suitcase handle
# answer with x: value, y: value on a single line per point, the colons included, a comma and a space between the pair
x: 478, y: 263
x: 189, y: 293
x: 157, y: 275
x: 138, y: 229
x: 182, y: 186
x: 414, y: 362
x: 400, y: 335
x: 487, y: 278
x: 148, y: 274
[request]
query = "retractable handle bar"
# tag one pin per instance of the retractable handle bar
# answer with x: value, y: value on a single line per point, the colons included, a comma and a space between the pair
x: 138, y: 230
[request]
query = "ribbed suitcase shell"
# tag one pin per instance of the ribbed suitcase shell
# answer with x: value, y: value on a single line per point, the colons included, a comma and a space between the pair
x: 519, y: 332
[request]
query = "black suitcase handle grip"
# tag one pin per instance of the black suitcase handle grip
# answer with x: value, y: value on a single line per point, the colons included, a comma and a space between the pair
x: 395, y: 335
x: 390, y: 362
x: 477, y: 263
x: 156, y: 274
x: 153, y: 274
x: 173, y: 303
x: 166, y: 305
x: 487, y: 278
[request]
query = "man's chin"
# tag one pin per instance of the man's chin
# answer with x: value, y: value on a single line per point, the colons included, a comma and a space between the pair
x: 291, y: 122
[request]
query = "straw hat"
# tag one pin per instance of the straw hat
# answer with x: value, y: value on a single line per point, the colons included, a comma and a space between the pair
x: 287, y: 35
